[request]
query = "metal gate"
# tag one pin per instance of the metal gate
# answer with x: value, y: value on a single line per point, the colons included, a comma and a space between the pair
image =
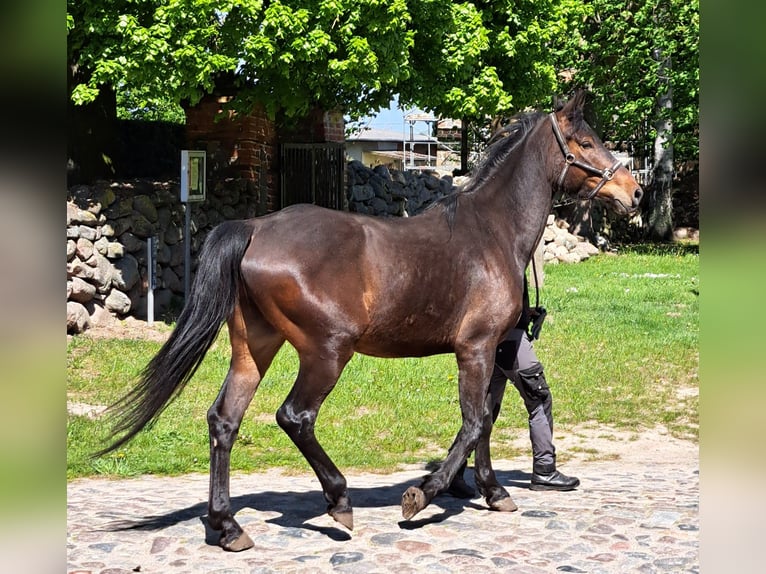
x: 313, y: 173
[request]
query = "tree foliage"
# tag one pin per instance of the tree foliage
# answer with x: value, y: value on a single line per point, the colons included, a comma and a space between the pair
x: 468, y: 59
x: 629, y: 52
x: 286, y: 55
x: 474, y: 60
x: 463, y: 59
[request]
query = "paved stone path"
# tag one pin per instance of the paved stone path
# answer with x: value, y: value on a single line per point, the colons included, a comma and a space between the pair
x: 625, y: 517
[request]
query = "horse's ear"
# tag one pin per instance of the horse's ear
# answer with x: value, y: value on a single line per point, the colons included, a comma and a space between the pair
x: 573, y: 109
x: 578, y: 101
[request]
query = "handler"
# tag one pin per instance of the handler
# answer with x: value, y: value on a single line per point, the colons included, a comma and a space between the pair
x: 515, y: 359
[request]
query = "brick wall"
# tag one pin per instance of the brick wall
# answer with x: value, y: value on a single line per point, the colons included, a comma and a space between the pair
x: 334, y: 127
x: 238, y: 147
x: 319, y: 126
x: 247, y: 147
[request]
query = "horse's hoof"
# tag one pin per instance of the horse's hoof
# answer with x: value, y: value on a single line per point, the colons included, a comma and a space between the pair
x: 413, y: 501
x: 504, y: 505
x: 345, y: 518
x: 342, y: 511
x: 240, y: 543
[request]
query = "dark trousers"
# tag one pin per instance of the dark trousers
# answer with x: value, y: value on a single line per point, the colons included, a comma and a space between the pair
x: 526, y: 373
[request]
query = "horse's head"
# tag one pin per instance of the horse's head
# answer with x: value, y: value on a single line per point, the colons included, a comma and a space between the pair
x: 587, y: 168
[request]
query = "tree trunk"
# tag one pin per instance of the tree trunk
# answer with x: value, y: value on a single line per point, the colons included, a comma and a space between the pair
x: 659, y: 209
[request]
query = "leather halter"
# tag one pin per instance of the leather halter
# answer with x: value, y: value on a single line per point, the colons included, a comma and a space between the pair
x: 569, y: 158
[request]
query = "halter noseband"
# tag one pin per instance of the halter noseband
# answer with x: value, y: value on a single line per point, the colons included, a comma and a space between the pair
x: 569, y: 159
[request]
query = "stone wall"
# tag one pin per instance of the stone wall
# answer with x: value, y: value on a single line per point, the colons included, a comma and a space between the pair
x: 380, y: 191
x: 107, y: 229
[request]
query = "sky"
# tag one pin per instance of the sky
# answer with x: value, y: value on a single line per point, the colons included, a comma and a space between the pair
x: 392, y: 119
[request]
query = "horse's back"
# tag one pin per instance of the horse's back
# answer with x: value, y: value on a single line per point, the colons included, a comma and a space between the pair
x: 332, y: 234
x: 299, y: 222
x: 307, y: 262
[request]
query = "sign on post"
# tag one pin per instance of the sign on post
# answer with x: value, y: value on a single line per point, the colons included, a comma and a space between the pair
x: 193, y: 175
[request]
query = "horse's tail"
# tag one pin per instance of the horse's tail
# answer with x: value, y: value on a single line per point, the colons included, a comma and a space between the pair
x: 210, y: 302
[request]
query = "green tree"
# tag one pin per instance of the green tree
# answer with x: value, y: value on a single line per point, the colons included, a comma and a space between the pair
x: 139, y: 105
x: 476, y: 60
x: 286, y: 55
x: 148, y: 56
x: 641, y: 59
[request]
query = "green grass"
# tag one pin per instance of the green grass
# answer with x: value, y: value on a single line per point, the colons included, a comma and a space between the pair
x: 620, y: 347
x: 622, y: 343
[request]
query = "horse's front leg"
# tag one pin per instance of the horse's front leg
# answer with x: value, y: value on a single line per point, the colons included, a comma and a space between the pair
x: 474, y: 369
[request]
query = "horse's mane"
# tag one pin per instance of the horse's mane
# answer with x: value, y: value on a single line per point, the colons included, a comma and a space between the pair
x: 499, y: 147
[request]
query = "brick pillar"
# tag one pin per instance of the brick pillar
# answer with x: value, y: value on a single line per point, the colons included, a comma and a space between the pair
x: 334, y: 127
x: 238, y: 147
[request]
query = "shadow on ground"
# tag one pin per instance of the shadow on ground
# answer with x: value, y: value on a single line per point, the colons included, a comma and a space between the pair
x: 297, y: 508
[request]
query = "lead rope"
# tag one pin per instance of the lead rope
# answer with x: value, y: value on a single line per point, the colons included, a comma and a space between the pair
x: 540, y: 312
x: 537, y: 282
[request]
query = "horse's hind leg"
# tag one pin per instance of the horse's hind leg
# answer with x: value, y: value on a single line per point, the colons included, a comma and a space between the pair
x: 496, y: 496
x: 252, y: 351
x: 318, y: 375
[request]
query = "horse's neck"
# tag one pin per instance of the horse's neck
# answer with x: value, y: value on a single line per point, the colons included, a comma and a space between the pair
x: 516, y: 204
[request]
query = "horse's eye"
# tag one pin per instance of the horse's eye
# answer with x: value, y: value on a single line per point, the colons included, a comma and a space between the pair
x: 585, y: 144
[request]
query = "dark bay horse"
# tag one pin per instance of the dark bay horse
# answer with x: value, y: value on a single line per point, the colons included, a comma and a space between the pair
x: 333, y: 283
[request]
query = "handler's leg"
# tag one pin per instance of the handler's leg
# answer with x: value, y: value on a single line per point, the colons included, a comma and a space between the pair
x: 529, y: 380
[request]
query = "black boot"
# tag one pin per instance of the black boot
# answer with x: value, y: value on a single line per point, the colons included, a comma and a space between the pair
x: 553, y: 480
x: 459, y: 488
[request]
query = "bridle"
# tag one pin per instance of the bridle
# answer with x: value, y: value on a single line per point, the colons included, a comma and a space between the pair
x: 570, y: 160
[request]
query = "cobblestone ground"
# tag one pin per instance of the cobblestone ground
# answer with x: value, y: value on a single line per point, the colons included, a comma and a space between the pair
x: 636, y: 515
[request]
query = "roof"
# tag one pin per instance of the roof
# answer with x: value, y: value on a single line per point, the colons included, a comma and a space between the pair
x: 449, y: 124
x: 415, y: 117
x: 400, y: 156
x: 373, y: 134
